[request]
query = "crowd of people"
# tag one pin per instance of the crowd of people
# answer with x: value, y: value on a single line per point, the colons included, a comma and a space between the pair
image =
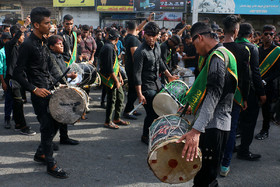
x: 236, y: 70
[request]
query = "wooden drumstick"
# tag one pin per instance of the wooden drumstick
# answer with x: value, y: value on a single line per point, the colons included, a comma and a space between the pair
x: 131, y: 112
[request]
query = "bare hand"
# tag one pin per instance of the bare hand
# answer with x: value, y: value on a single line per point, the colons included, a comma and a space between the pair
x: 190, y: 149
x: 72, y: 75
x: 27, y: 21
x: 4, y: 86
x: 151, y: 16
x: 263, y: 99
x: 172, y: 78
x: 245, y: 105
x: 121, y: 81
x: 189, y: 110
x: 142, y: 99
x: 42, y: 92
x: 118, y: 85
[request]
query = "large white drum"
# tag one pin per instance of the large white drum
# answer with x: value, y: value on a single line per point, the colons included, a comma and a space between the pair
x: 67, y: 105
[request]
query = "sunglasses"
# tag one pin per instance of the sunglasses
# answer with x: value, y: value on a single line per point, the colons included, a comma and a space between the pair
x: 203, y: 33
x: 268, y: 33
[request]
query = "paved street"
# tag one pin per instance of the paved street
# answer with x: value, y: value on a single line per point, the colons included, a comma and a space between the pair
x: 108, y: 157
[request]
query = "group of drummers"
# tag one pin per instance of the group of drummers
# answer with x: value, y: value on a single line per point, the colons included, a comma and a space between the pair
x: 231, y: 78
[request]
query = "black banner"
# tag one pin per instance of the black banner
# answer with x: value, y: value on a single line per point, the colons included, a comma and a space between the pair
x: 160, y: 5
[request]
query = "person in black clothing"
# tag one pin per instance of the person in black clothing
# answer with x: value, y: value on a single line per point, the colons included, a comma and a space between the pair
x: 33, y: 60
x: 248, y: 117
x: 99, y: 44
x: 112, y: 79
x: 168, y: 52
x: 57, y: 68
x: 241, y: 53
x: 68, y: 37
x: 123, y: 35
x: 189, y: 49
x: 268, y: 77
x: 12, y: 50
x: 131, y: 44
x: 147, y: 66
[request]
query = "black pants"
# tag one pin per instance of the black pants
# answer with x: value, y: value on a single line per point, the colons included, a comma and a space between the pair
x: 131, y: 97
x: 150, y: 113
x: 48, y: 128
x: 248, y: 121
x: 18, y: 112
x: 212, y: 144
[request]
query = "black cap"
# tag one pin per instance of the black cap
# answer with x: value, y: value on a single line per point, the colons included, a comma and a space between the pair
x: 6, y: 35
x: 113, y: 34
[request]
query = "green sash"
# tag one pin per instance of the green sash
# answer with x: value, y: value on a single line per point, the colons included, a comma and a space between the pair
x: 269, y: 61
x: 196, y: 93
x: 201, y: 62
x: 169, y: 57
x: 242, y: 40
x: 110, y: 81
x: 74, y: 52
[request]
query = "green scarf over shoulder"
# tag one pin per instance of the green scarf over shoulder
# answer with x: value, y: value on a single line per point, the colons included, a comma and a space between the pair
x: 196, y: 94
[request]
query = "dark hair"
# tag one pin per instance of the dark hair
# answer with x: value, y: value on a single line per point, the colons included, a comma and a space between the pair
x: 54, y: 39
x: 123, y: 31
x: 187, y: 36
x: 245, y: 30
x: 269, y: 28
x: 131, y: 25
x: 98, y: 31
x: 200, y: 27
x: 163, y: 33
x: 85, y: 27
x: 67, y: 17
x: 175, y: 39
x: 230, y: 23
x: 108, y: 29
x: 14, y: 29
x: 151, y: 28
x: 38, y: 14
x: 5, y: 26
x: 219, y: 30
x: 258, y: 33
x: 79, y: 32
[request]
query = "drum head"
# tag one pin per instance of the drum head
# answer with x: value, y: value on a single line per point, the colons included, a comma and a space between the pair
x: 67, y: 105
x: 168, y: 165
x: 163, y: 104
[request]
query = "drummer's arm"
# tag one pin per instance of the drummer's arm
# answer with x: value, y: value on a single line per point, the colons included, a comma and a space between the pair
x: 141, y: 97
x: 169, y: 76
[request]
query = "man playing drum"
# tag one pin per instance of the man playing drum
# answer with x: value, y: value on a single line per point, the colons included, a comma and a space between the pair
x: 212, y: 92
x: 147, y: 66
x: 33, y: 63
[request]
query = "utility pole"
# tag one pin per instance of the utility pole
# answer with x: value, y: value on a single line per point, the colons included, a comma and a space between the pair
x: 195, y: 11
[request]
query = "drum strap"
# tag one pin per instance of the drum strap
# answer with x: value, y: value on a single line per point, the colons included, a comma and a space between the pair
x: 196, y: 94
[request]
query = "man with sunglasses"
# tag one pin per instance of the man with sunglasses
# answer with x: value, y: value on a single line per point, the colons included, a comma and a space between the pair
x: 269, y: 69
x: 212, y: 96
x: 147, y: 66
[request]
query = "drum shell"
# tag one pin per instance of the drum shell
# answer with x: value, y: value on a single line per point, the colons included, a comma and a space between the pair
x: 164, y: 104
x: 164, y: 157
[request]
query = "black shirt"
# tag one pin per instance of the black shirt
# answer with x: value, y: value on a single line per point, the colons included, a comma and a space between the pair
x: 190, y: 51
x: 57, y: 67
x: 99, y: 44
x: 255, y: 76
x: 68, y: 43
x: 165, y: 52
x: 33, y: 60
x: 242, y: 58
x: 107, y: 58
x: 129, y: 42
x: 147, y: 65
x: 11, y: 50
x: 274, y: 72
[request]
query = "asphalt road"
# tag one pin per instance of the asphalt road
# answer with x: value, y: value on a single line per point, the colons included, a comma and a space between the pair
x: 108, y: 157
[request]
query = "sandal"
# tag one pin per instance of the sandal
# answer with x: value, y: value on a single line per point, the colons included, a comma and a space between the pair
x: 122, y: 122
x: 111, y: 125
